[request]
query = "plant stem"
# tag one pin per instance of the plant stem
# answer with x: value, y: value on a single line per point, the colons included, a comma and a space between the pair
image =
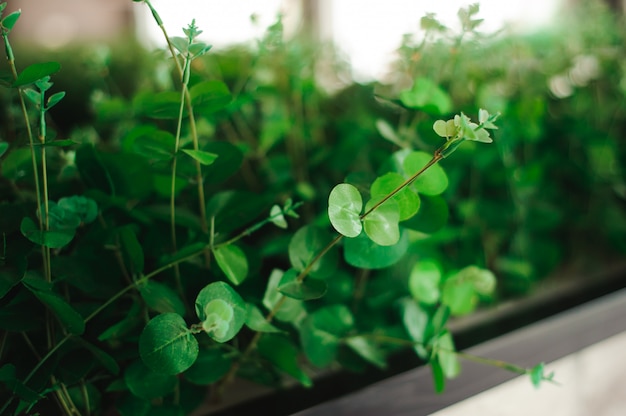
x: 192, y: 127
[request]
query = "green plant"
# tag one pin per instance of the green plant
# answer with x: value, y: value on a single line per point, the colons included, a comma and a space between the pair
x: 155, y: 262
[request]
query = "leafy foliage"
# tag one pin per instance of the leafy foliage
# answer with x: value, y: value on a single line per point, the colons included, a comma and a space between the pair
x: 210, y: 221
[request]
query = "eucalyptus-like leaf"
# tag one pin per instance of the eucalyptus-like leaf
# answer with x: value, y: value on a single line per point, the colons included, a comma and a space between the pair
x: 51, y: 239
x: 415, y: 319
x: 221, y: 310
x: 321, y: 333
x: 180, y: 44
x: 408, y: 201
x: 283, y: 354
x: 166, y: 345
x: 161, y: 298
x: 445, y: 129
x: 431, y: 182
x: 381, y: 225
x: 257, y: 322
x: 424, y: 282
x: 305, y: 245
x: 368, y: 350
x: 364, y: 253
x: 208, y: 97
x: 233, y: 262
x: 305, y: 289
x: 344, y: 209
x: 86, y: 209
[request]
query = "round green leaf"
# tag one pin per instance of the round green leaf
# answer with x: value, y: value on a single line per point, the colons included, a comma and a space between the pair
x: 424, y: 282
x: 305, y: 244
x: 433, y: 181
x: 459, y: 296
x: 51, y: 239
x: 35, y: 72
x: 344, y: 209
x: 408, y: 201
x: 368, y: 350
x: 381, y: 225
x: 445, y: 129
x: 233, y: 262
x: 364, y: 253
x: 85, y: 208
x: 222, y: 311
x: 229, y: 159
x: 257, y: 322
x: 166, y: 345
x: 305, y: 290
x: 212, y: 364
x: 147, y: 384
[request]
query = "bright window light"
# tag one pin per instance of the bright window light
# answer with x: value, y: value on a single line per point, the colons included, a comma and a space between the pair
x: 368, y: 32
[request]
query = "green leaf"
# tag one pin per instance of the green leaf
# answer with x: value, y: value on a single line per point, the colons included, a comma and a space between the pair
x: 344, y: 209
x: 155, y: 144
x: 415, y: 319
x: 9, y: 20
x: 368, y: 350
x: 291, y: 310
x: 147, y: 384
x: 433, y: 181
x: 257, y: 322
x: 102, y: 357
x: 305, y: 245
x: 233, y: 262
x: 283, y: 354
x: 161, y: 298
x: 446, y: 355
x: 71, y: 320
x: 321, y: 333
x: 537, y: 375
x: 306, y: 289
x: 131, y: 249
x: 4, y: 146
x: 427, y: 96
x: 205, y: 158
x: 212, y: 364
x: 167, y: 346
x: 84, y: 208
x: 51, y: 239
x: 381, y: 225
x: 9, y: 379
x: 160, y: 105
x: 209, y: 96
x: 439, y: 379
x: 460, y: 297
x: 11, y: 273
x: 54, y: 99
x: 385, y: 130
x: 222, y: 311
x: 424, y: 282
x: 445, y: 129
x: 277, y: 217
x: 15, y: 164
x: 35, y: 72
x: 407, y: 200
x: 364, y: 253
x: 180, y: 44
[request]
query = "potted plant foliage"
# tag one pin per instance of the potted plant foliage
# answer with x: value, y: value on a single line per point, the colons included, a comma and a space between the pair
x: 230, y: 218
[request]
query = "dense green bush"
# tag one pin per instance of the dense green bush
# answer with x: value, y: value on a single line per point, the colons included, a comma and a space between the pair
x: 227, y: 214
